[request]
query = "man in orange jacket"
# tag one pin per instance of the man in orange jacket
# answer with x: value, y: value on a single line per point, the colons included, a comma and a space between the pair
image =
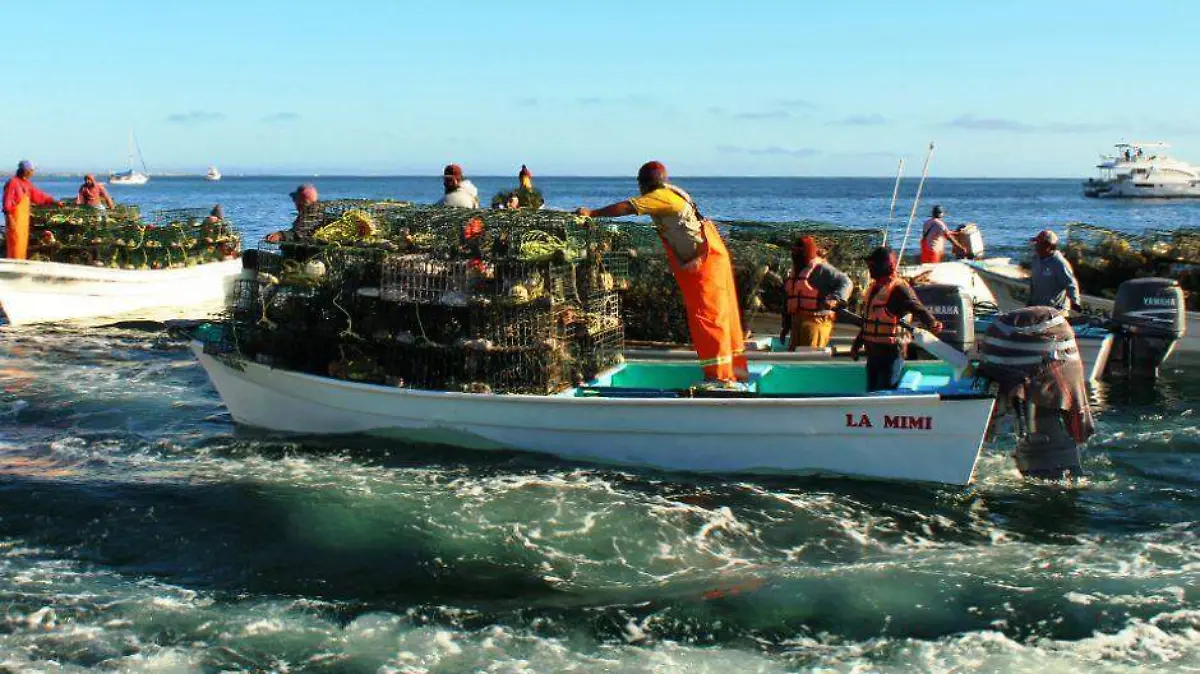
x: 702, y: 267
x: 19, y: 196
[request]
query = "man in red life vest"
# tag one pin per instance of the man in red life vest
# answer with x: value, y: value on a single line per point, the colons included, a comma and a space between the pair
x: 813, y: 291
x: 93, y: 194
x: 934, y: 237
x: 702, y: 267
x: 889, y: 300
x: 19, y: 196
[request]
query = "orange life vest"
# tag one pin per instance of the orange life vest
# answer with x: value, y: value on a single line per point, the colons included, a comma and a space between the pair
x: 880, y: 326
x: 803, y: 298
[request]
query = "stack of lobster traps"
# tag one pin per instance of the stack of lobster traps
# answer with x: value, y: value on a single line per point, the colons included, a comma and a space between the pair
x: 432, y: 298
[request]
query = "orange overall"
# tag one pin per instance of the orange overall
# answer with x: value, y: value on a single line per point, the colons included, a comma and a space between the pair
x: 706, y: 282
x: 714, y: 318
x: 19, y: 195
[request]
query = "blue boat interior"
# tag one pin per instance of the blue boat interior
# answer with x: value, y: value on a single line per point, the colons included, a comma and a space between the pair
x: 831, y: 378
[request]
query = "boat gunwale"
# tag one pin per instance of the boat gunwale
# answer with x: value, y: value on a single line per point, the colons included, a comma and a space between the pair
x: 82, y: 272
x: 559, y: 398
x: 1103, y: 302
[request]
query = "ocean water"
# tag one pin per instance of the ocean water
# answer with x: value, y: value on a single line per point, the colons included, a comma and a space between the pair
x: 141, y: 531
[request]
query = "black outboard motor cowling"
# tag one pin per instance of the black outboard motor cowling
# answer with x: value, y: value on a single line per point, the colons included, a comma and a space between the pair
x: 1148, y: 319
x: 955, y: 309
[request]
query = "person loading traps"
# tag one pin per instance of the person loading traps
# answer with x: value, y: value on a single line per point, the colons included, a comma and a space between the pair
x: 702, y: 267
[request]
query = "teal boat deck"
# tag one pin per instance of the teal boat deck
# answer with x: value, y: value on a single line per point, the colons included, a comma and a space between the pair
x: 825, y: 379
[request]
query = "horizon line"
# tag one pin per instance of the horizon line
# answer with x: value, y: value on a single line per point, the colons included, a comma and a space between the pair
x: 80, y: 174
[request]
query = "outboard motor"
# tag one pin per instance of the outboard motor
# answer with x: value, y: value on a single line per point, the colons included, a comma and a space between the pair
x: 972, y: 239
x: 1147, y: 321
x: 954, y: 309
x: 1032, y: 355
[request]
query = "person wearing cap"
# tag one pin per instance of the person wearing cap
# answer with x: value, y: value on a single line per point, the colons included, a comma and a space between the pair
x: 215, y: 216
x: 888, y: 302
x: 19, y: 196
x: 813, y: 291
x: 702, y: 267
x: 934, y: 237
x: 459, y: 192
x: 1052, y: 281
x: 305, y: 199
x: 93, y: 194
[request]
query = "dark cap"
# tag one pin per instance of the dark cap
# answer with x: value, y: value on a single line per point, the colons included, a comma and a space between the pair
x: 806, y: 246
x: 1047, y: 236
x: 453, y: 170
x: 307, y: 191
x: 652, y: 173
x: 881, y: 254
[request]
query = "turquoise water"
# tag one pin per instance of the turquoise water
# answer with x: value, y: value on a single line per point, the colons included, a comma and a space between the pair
x: 141, y: 531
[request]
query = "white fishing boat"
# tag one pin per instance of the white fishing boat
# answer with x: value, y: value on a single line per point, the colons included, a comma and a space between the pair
x: 799, y: 418
x: 40, y: 292
x: 213, y: 174
x: 131, y: 176
x: 1143, y: 170
x: 1008, y: 283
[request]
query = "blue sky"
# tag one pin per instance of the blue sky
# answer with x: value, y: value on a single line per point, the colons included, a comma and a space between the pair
x: 1013, y: 88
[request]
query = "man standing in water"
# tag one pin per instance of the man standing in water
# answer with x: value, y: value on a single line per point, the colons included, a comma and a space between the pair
x: 1052, y: 282
x: 889, y: 300
x: 19, y: 196
x: 702, y: 267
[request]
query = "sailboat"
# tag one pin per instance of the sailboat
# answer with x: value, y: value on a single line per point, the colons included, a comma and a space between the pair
x: 213, y: 174
x: 131, y: 176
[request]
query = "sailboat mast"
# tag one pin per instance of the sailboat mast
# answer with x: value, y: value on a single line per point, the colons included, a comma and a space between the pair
x: 139, y: 154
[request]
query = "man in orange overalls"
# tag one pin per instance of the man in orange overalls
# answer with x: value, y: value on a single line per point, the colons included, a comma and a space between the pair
x: 19, y: 196
x: 702, y: 267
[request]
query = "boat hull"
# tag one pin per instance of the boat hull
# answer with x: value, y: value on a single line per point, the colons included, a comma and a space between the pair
x: 744, y: 436
x: 1009, y: 284
x: 1128, y: 190
x: 40, y: 292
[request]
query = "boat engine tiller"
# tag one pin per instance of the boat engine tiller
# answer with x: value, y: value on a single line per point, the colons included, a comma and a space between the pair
x: 1147, y: 321
x: 1032, y: 355
x: 955, y: 309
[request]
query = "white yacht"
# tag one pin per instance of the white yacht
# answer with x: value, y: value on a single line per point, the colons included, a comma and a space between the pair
x: 1143, y: 170
x: 213, y: 174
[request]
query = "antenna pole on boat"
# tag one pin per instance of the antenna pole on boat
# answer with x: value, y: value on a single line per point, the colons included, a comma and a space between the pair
x: 917, y: 200
x: 892, y: 208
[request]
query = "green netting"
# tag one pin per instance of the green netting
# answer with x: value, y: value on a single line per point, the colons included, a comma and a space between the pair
x: 120, y: 238
x: 1104, y: 258
x: 653, y: 308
